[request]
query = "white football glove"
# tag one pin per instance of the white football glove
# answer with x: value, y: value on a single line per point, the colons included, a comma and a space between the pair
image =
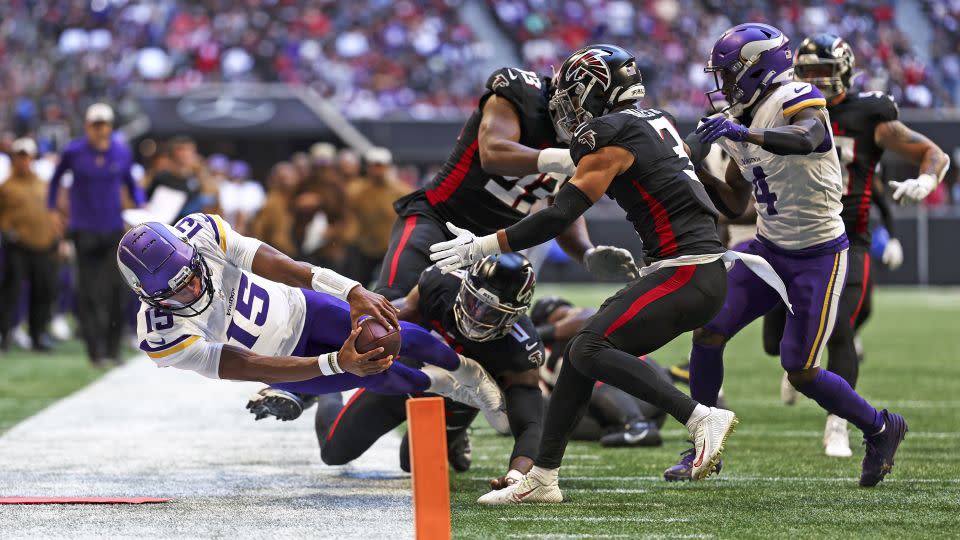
x: 463, y: 250
x: 892, y: 254
x: 610, y: 262
x: 914, y: 190
x: 556, y: 160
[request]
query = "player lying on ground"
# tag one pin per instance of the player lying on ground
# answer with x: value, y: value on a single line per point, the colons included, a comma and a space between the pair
x: 505, y: 159
x: 481, y: 314
x: 231, y: 307
x: 788, y: 153
x: 614, y: 417
x: 637, y: 158
x: 865, y: 125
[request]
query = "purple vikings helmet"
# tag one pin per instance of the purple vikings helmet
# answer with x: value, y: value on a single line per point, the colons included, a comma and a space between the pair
x: 746, y: 61
x: 159, y: 263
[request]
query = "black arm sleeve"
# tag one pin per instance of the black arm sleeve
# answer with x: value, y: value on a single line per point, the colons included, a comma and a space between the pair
x: 793, y: 140
x: 548, y: 223
x: 525, y: 413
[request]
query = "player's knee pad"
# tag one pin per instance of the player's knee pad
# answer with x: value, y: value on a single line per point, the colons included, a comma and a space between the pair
x: 799, y: 378
x: 710, y: 338
x: 583, y: 348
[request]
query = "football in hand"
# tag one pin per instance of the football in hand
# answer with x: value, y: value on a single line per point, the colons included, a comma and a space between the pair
x: 373, y: 335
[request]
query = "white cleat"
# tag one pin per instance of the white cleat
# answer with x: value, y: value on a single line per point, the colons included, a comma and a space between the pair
x: 788, y: 394
x: 709, y: 435
x: 470, y: 384
x: 527, y: 490
x: 836, y: 440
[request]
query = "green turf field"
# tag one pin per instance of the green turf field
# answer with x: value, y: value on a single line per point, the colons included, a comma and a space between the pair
x: 776, y: 482
x: 31, y: 381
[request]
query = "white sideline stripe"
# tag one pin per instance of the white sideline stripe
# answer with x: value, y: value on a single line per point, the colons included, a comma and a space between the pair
x: 606, y: 490
x: 594, y: 519
x: 802, y: 434
x: 731, y: 479
x: 888, y: 403
x: 591, y: 535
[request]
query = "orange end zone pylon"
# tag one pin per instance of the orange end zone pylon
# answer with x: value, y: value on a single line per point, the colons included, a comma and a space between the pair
x: 426, y: 425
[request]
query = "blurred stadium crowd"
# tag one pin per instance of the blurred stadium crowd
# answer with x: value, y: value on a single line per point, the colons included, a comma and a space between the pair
x: 380, y: 58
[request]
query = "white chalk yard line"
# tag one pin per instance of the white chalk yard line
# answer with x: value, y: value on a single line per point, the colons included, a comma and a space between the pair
x: 593, y: 519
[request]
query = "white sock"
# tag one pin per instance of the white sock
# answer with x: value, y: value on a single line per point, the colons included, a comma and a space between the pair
x: 699, y: 413
x: 544, y: 476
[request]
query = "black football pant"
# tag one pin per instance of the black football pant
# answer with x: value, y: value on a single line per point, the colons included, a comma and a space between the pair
x: 647, y: 314
x: 24, y: 265
x: 853, y: 310
x: 409, y: 254
x: 344, y: 434
x: 102, y: 294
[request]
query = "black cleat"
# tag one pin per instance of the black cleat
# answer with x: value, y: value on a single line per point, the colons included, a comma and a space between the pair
x: 280, y: 404
x: 636, y: 434
x: 459, y: 453
x: 878, y: 460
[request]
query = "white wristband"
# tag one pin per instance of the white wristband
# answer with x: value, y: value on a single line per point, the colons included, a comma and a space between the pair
x: 556, y: 160
x: 489, y: 245
x: 332, y: 283
x: 329, y: 365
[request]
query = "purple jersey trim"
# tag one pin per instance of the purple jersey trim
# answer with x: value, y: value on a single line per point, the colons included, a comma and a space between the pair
x: 812, y: 93
x: 836, y: 245
x: 145, y: 345
x: 213, y: 225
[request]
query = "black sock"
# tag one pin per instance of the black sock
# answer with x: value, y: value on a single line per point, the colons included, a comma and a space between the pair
x: 568, y: 403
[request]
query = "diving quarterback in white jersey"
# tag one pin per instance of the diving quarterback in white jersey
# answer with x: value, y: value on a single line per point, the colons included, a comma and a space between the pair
x: 231, y: 307
x: 778, y: 135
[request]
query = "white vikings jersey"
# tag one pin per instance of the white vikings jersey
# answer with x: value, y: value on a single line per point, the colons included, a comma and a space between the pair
x: 247, y: 310
x: 797, y: 197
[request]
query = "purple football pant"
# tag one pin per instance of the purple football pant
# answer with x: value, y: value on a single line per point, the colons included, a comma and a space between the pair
x: 814, y: 283
x: 327, y: 325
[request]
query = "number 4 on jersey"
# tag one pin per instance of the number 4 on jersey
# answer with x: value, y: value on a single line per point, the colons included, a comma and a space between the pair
x: 761, y: 190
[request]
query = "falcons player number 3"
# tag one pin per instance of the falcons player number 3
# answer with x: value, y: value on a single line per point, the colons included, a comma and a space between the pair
x: 662, y: 125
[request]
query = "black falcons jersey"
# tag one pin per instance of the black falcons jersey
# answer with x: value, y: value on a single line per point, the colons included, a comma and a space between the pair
x: 854, y: 122
x: 470, y: 197
x: 660, y: 192
x: 519, y: 350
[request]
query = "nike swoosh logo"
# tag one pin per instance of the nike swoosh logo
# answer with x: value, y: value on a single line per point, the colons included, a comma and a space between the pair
x: 634, y: 438
x: 520, y: 496
x: 699, y: 460
x: 513, y: 76
x: 531, y: 346
x: 798, y: 90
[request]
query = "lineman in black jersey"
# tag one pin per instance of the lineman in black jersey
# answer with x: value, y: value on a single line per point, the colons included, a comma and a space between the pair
x: 481, y: 314
x: 637, y: 158
x: 864, y: 126
x: 504, y: 161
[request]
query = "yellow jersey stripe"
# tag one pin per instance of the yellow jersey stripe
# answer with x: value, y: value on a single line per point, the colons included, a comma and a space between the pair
x: 824, y: 312
x: 794, y: 109
x: 223, y: 232
x: 181, y: 346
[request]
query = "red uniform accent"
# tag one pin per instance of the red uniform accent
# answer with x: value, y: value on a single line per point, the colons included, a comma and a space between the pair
x: 863, y: 213
x: 681, y: 276
x: 344, y: 410
x: 863, y: 290
x: 661, y: 220
x: 453, y: 180
x: 408, y: 225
